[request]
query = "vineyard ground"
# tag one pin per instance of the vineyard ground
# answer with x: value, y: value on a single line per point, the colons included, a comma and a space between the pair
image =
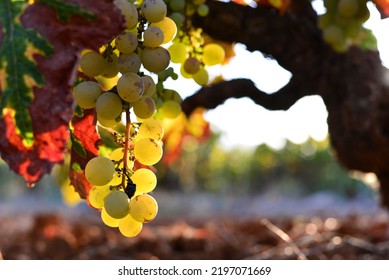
x: 322, y: 226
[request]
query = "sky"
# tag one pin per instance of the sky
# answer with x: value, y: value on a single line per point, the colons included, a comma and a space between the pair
x: 245, y: 124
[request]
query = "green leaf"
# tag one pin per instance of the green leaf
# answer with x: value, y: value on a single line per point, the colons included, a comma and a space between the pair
x: 66, y: 10
x: 18, y: 71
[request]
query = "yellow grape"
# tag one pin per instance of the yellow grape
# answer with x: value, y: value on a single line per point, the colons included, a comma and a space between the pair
x: 213, y: 54
x: 129, y: 63
x: 130, y: 87
x: 333, y: 35
x: 178, y: 52
x: 348, y: 8
x: 126, y: 42
x: 185, y: 74
x: 168, y: 27
x: 129, y: 12
x: 147, y: 151
x: 97, y: 195
x: 151, y: 128
x: 155, y: 59
x: 107, y: 123
x: 108, y: 220
x: 108, y: 106
x: 153, y: 37
x: 111, y: 66
x: 154, y: 10
x: 92, y: 63
x: 145, y: 180
x: 130, y: 227
x: 86, y: 94
x: 170, y: 109
x: 143, y: 208
x: 171, y: 94
x: 116, y: 204
x: 201, y: 77
x: 149, y: 86
x: 144, y: 108
x: 192, y: 65
x: 99, y: 171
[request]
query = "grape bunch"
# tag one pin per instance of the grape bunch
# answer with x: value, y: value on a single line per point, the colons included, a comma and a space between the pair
x: 342, y: 23
x: 123, y: 179
x: 189, y: 48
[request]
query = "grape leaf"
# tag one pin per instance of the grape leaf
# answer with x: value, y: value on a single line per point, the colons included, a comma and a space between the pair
x: 181, y: 129
x: 83, y: 133
x: 383, y: 7
x: 40, y: 87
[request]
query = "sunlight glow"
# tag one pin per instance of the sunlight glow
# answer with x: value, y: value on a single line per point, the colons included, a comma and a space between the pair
x: 242, y: 123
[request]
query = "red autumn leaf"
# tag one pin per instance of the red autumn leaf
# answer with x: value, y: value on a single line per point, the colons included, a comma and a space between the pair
x: 52, y: 106
x: 181, y: 129
x: 85, y: 135
x: 383, y: 7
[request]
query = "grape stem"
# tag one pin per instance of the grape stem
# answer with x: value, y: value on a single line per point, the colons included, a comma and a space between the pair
x: 126, y: 147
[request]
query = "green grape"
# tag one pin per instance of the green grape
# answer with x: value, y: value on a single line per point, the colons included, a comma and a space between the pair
x: 147, y: 151
x: 130, y: 87
x: 170, y: 109
x: 168, y: 27
x: 331, y: 6
x: 150, y: 87
x: 178, y: 18
x: 325, y: 20
x: 108, y: 106
x: 155, y: 59
x: 213, y: 54
x: 145, y: 180
x: 143, y: 208
x: 116, y: 204
x: 130, y: 227
x: 151, y: 128
x: 92, y: 64
x: 108, y: 220
x: 111, y: 66
x: 363, y: 13
x: 154, y: 10
x: 107, y: 123
x: 99, y: 171
x: 129, y: 63
x: 192, y: 65
x: 178, y: 52
x: 201, y: 77
x: 203, y: 10
x: 153, y: 37
x: 333, y: 35
x: 97, y: 195
x: 126, y: 42
x: 144, y: 108
x: 348, y: 8
x: 86, y: 94
x: 352, y: 29
x: 177, y: 5
x: 171, y: 94
x: 129, y: 12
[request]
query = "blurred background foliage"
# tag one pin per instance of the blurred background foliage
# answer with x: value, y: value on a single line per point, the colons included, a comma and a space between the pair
x: 296, y: 170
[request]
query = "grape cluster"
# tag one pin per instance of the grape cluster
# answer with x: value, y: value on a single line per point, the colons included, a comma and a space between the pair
x: 189, y: 48
x: 342, y: 23
x: 123, y: 179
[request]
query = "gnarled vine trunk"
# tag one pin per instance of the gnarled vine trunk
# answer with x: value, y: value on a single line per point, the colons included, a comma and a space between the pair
x: 354, y: 85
